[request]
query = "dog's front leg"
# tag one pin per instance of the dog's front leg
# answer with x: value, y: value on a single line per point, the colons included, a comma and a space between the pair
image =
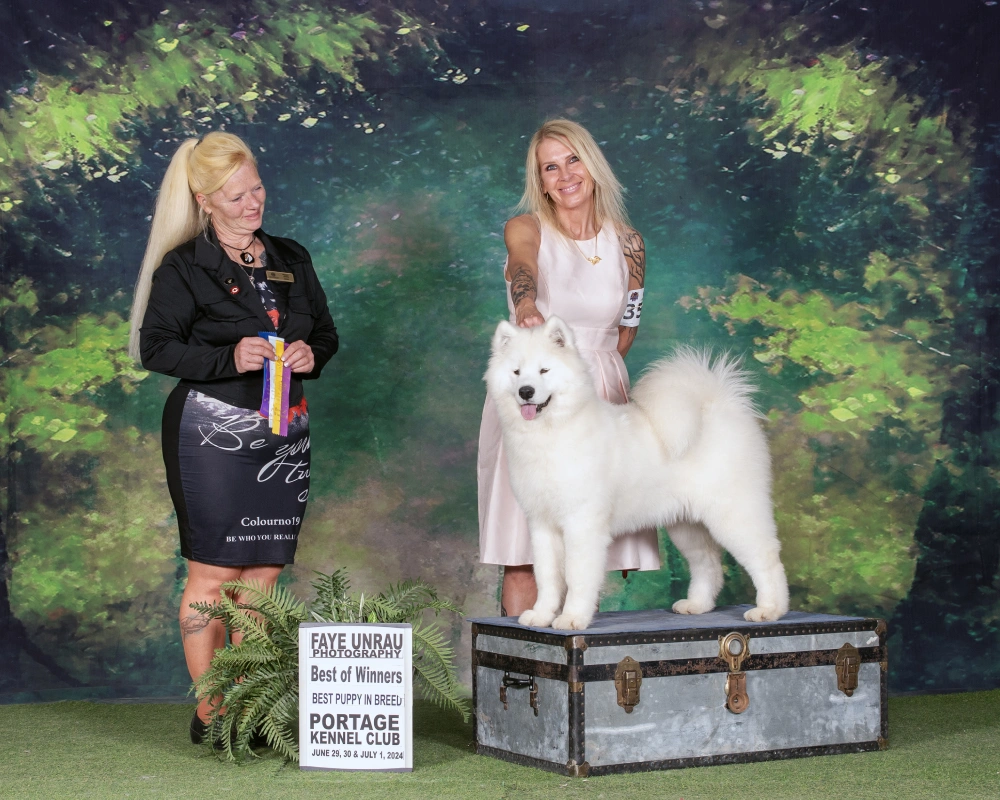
x: 586, y: 556
x: 547, y: 547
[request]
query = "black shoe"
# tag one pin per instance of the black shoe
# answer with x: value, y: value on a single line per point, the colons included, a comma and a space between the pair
x: 199, y: 733
x: 199, y: 730
x: 202, y: 731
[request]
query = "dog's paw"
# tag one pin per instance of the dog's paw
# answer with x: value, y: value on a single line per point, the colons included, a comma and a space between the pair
x: 763, y: 614
x: 690, y: 607
x: 535, y: 619
x: 572, y: 622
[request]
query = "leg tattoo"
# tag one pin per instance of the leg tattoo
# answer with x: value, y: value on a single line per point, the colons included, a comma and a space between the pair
x: 194, y: 623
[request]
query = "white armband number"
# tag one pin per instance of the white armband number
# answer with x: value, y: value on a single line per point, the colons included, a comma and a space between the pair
x: 633, y: 308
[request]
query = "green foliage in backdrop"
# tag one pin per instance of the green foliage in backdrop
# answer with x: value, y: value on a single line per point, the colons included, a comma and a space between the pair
x: 799, y: 201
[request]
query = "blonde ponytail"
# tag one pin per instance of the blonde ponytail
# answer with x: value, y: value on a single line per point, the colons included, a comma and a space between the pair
x: 175, y: 220
x: 198, y: 167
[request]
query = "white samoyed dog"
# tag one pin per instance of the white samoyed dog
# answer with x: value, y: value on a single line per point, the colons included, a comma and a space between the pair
x: 686, y: 453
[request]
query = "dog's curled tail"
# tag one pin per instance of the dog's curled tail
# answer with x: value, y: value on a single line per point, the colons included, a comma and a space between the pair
x: 676, y: 391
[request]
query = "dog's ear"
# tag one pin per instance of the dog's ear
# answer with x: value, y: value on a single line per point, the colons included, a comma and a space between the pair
x: 559, y: 332
x: 502, y: 336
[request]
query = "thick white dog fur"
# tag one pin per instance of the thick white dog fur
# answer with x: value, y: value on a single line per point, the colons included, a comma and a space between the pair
x: 686, y: 453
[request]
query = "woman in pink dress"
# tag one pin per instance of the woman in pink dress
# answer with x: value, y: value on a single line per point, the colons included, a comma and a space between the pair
x: 573, y: 254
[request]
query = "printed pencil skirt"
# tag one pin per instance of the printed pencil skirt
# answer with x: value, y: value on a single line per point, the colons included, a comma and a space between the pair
x: 239, y: 490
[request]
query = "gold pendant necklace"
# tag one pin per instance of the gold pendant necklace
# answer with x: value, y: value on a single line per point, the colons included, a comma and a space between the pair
x: 592, y: 259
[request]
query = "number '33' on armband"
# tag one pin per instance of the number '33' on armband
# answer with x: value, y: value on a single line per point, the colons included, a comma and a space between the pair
x: 633, y: 309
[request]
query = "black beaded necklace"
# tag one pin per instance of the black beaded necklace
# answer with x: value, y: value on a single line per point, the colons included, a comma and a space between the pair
x: 245, y: 255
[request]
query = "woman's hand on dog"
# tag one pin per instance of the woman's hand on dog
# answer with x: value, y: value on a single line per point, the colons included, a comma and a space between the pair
x: 527, y: 315
x: 522, y: 236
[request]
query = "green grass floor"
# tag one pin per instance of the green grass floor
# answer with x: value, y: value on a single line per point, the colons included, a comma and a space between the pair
x: 945, y: 746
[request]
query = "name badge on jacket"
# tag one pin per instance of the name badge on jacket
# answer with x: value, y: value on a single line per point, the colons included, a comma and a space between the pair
x: 284, y: 277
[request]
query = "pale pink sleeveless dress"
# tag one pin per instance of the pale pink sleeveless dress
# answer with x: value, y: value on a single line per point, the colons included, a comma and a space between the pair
x: 591, y: 299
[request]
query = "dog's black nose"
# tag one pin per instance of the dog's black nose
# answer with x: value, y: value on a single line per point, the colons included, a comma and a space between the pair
x: 526, y: 392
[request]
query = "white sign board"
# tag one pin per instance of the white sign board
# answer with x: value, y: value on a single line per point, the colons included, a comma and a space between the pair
x: 355, y: 696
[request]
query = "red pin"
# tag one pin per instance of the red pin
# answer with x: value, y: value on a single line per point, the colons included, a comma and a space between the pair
x: 234, y: 290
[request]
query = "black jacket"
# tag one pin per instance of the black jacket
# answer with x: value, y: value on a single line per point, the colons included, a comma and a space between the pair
x: 201, y: 304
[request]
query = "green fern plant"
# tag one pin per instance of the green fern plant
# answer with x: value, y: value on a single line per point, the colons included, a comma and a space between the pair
x: 254, y: 685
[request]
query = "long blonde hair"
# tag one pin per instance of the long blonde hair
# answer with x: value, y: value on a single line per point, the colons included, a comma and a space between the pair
x: 609, y: 207
x: 198, y: 167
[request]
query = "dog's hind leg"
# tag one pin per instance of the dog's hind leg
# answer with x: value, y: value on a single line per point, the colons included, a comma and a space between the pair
x: 704, y: 559
x: 753, y: 542
x: 768, y: 575
x: 549, y: 553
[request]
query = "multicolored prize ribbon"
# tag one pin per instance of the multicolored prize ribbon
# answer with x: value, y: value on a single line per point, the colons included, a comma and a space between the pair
x: 277, y: 382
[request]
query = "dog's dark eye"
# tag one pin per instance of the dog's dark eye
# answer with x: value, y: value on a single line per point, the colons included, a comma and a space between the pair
x: 543, y: 371
x: 517, y: 372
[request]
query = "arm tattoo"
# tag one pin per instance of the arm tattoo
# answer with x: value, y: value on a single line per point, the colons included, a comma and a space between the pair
x: 193, y: 623
x: 635, y: 253
x: 522, y: 286
x: 624, y: 344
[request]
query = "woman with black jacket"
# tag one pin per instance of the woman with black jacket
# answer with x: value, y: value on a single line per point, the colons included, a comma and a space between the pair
x: 213, y: 287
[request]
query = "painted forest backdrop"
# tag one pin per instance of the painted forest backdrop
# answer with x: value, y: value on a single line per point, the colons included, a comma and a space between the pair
x: 817, y: 183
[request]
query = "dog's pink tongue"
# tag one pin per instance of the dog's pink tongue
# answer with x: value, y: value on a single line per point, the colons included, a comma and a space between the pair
x: 529, y: 410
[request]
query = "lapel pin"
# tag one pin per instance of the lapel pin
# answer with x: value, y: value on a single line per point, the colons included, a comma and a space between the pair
x: 228, y: 281
x: 234, y: 290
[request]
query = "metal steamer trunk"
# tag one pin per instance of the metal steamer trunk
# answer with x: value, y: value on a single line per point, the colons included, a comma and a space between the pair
x: 656, y: 690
